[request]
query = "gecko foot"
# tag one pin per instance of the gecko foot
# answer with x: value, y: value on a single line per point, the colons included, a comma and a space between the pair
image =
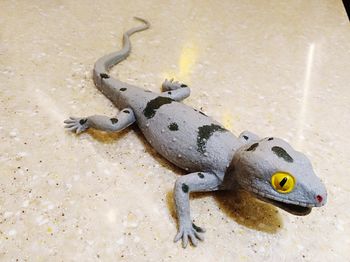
x: 191, y: 232
x: 77, y: 125
x: 169, y: 85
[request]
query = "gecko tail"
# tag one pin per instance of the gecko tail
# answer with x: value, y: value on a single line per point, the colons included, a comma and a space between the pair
x: 103, y: 64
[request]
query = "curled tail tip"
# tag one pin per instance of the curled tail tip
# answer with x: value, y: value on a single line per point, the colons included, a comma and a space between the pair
x: 148, y: 25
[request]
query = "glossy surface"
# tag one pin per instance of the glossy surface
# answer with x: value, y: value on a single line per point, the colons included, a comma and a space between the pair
x: 276, y: 68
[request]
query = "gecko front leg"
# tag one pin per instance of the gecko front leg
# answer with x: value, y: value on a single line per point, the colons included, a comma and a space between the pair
x: 194, y: 182
x: 104, y: 123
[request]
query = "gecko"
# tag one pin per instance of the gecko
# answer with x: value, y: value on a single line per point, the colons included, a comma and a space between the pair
x: 269, y: 168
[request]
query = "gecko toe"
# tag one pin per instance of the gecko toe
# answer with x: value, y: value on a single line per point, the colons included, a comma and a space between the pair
x: 178, y: 236
x: 193, y: 239
x: 184, y: 240
x: 199, y: 236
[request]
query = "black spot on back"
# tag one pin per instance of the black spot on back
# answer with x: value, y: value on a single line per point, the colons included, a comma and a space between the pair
x: 271, y: 138
x: 169, y: 93
x: 183, y: 85
x: 122, y: 89
x: 82, y: 121
x: 173, y: 127
x: 253, y: 147
x: 204, y: 133
x: 104, y: 75
x: 185, y: 188
x: 114, y: 120
x: 245, y: 137
x: 155, y: 104
x: 280, y: 152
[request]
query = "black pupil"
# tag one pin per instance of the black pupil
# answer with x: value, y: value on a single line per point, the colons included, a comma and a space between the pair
x: 283, y: 181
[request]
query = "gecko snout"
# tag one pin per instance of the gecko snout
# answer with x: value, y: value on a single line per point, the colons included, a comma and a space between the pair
x: 321, y: 199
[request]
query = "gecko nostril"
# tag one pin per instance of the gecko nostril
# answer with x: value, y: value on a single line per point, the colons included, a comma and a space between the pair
x: 319, y: 198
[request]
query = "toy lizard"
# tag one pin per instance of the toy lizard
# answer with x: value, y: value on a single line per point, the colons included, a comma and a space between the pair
x: 215, y: 159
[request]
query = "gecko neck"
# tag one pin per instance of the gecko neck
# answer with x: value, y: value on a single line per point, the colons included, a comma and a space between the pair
x: 231, y: 180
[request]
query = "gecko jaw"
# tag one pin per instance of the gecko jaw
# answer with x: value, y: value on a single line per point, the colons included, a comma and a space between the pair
x: 299, y: 209
x: 294, y: 207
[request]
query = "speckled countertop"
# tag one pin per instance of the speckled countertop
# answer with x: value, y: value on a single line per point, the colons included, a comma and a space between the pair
x: 277, y: 68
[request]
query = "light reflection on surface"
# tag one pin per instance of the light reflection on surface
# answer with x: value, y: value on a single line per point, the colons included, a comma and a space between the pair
x: 306, y: 91
x: 187, y: 59
x: 48, y: 104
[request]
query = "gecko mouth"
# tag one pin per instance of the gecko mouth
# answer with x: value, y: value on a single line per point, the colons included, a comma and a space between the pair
x: 295, y: 209
x: 291, y: 208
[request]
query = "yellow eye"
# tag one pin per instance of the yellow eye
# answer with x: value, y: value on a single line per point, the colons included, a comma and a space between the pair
x: 283, y: 182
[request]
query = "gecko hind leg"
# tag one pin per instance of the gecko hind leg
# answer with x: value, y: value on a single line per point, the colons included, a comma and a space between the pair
x: 169, y: 85
x: 175, y: 90
x: 124, y: 119
x: 248, y: 137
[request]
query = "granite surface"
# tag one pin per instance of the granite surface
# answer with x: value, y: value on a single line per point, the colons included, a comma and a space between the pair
x: 276, y: 68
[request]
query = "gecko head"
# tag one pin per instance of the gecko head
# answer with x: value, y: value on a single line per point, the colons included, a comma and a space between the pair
x: 274, y: 172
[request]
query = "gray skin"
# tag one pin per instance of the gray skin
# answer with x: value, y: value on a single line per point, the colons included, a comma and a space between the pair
x: 214, y: 158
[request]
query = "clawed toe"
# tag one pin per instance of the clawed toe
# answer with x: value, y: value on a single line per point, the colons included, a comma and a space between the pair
x: 75, y: 124
x: 191, y: 234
